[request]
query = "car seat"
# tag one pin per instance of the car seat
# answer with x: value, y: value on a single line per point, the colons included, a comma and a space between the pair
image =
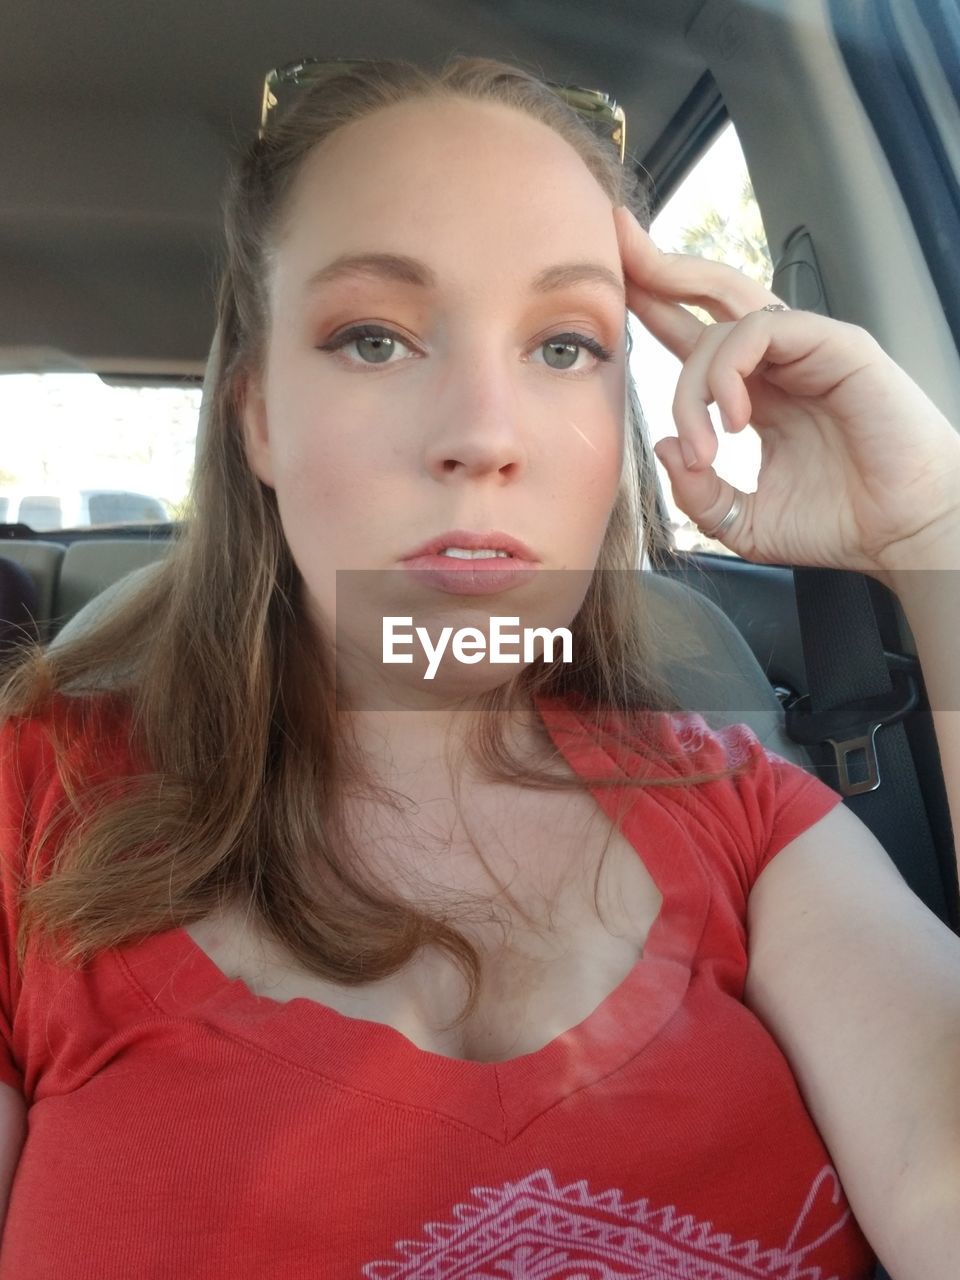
x: 19, y: 606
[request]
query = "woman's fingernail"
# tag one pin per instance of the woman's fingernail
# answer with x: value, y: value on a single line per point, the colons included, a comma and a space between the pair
x: 689, y: 456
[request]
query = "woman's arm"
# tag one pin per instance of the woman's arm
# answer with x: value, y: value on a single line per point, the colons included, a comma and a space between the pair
x: 859, y: 983
x: 859, y: 468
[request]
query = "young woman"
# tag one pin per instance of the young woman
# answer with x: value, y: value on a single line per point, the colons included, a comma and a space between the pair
x: 314, y: 966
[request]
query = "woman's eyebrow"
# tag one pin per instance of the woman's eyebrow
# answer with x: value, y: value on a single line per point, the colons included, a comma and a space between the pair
x: 411, y: 271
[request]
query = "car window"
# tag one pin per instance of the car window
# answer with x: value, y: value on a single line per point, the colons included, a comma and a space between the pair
x: 712, y: 213
x: 41, y: 512
x: 77, y: 452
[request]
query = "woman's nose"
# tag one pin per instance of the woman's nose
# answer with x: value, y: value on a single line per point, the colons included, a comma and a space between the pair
x: 476, y: 424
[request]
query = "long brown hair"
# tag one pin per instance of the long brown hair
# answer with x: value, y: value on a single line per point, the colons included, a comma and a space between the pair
x: 241, y: 767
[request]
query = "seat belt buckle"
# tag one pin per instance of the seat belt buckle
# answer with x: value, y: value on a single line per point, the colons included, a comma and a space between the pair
x: 852, y: 728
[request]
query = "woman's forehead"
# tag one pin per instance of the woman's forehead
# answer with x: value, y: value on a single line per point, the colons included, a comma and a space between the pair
x: 434, y: 160
x: 487, y: 216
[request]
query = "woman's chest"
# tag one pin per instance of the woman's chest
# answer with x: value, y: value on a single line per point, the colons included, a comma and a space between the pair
x: 548, y: 958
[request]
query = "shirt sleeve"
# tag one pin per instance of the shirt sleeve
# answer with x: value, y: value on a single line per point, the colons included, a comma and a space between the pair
x: 17, y: 768
x: 801, y: 800
x: 89, y: 737
x: 781, y: 799
x: 749, y: 817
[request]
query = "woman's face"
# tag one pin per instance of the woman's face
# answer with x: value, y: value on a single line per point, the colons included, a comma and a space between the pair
x: 469, y: 415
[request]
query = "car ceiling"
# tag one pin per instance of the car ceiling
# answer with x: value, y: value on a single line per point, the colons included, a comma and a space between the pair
x: 120, y: 120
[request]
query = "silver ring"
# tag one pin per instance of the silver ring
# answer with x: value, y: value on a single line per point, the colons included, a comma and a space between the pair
x: 775, y: 306
x: 727, y: 520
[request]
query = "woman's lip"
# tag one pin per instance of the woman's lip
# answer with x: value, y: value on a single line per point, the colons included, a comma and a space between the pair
x: 470, y: 577
x: 469, y: 540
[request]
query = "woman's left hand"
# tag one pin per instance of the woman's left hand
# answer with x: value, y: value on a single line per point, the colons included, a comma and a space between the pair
x: 855, y: 460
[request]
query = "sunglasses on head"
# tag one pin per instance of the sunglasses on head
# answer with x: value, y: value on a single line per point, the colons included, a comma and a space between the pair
x: 598, y: 109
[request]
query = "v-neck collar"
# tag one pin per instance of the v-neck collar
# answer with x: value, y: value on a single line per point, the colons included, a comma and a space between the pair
x: 498, y: 1099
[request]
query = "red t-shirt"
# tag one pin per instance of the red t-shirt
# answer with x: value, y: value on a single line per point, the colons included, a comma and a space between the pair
x: 180, y: 1126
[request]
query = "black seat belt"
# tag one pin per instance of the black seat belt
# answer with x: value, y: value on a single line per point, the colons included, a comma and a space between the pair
x: 854, y: 713
x: 852, y: 721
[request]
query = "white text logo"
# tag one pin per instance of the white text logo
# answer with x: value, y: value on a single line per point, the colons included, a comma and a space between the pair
x: 469, y: 644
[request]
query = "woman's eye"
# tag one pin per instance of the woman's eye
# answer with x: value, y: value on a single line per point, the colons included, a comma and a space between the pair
x: 372, y: 343
x: 562, y: 351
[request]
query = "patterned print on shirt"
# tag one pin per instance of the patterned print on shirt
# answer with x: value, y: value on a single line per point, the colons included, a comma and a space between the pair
x: 538, y: 1231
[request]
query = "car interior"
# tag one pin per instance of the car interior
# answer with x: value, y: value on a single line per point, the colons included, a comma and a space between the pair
x: 119, y: 124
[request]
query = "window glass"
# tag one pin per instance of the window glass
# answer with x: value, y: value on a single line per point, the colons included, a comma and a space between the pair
x: 125, y: 508
x: 41, y: 511
x: 76, y: 452
x: 714, y: 214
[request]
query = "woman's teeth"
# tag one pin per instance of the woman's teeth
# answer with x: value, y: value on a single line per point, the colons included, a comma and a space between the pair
x: 461, y: 554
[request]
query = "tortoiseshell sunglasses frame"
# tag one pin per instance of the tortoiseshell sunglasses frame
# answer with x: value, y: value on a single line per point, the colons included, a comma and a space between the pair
x: 595, y: 106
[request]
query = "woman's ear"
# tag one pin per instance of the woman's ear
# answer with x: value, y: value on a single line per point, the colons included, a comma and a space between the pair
x: 256, y: 436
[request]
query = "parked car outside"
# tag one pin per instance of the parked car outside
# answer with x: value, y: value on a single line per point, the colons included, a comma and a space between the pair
x: 80, y: 509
